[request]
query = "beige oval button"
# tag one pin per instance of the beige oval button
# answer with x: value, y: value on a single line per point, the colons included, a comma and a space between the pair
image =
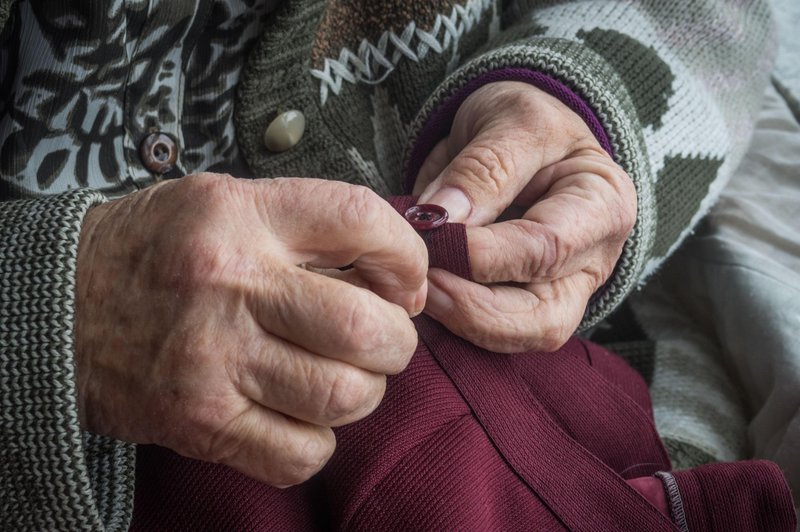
x: 285, y: 131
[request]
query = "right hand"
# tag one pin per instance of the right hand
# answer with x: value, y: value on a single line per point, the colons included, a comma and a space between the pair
x: 203, y: 324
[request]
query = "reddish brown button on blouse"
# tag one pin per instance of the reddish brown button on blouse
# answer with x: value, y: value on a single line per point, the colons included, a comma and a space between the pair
x: 159, y: 153
x: 426, y: 217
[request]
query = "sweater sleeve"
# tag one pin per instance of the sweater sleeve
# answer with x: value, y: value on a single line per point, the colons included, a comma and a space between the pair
x: 671, y: 89
x: 53, y: 476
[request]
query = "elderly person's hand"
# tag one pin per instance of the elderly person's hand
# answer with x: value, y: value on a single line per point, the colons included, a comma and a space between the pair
x: 205, y: 325
x: 547, y: 210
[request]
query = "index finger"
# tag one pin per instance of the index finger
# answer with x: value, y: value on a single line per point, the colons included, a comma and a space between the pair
x: 332, y: 224
x: 580, y: 225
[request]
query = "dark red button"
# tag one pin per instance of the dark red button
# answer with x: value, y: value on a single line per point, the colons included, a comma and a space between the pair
x: 159, y: 153
x: 426, y: 217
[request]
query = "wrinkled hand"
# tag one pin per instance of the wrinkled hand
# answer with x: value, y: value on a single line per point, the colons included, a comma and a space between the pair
x: 547, y: 210
x: 204, y: 326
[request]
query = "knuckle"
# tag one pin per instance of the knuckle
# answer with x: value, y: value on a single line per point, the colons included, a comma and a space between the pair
x: 623, y: 224
x: 208, y: 431
x: 553, y: 252
x: 201, y: 263
x: 500, y: 339
x: 348, y: 393
x: 213, y: 190
x: 627, y: 216
x: 362, y: 334
x: 212, y: 417
x: 552, y: 339
x: 598, y: 275
x: 526, y: 261
x: 417, y: 253
x: 475, y: 322
x: 524, y: 101
x: 624, y: 209
x: 362, y: 209
x: 194, y: 251
x: 491, y: 167
x: 206, y: 258
x: 624, y: 219
x: 305, y: 456
x: 390, y: 338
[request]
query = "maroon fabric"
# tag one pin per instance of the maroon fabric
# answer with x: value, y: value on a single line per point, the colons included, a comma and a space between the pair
x: 555, y: 405
x: 422, y: 461
x: 651, y: 489
x: 736, y: 496
x: 618, y: 373
x: 438, y: 123
x: 174, y: 493
x: 466, y: 439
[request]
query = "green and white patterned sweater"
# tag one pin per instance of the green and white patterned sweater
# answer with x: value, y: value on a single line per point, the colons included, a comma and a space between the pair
x: 675, y: 85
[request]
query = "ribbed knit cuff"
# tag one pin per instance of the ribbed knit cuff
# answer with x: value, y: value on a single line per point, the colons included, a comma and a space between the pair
x: 52, y: 475
x: 735, y: 496
x: 589, y: 83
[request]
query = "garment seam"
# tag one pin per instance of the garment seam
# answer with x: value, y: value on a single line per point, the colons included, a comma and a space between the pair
x: 674, y: 500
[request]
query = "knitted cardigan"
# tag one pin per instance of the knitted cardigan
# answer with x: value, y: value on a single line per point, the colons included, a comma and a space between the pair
x: 674, y: 85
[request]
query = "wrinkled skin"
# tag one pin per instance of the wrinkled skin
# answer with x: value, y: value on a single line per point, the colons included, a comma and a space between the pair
x: 207, y: 321
x: 211, y: 318
x: 547, y: 210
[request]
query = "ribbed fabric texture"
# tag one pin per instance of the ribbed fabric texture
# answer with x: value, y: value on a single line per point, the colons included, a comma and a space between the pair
x: 733, y: 497
x: 50, y: 473
x: 425, y: 460
x: 467, y: 440
x: 422, y: 461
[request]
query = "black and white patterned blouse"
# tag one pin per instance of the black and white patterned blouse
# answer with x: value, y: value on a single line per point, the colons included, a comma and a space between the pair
x: 82, y: 84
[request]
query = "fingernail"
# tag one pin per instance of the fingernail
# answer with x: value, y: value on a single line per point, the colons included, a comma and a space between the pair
x: 454, y: 200
x: 419, y: 302
x: 438, y: 301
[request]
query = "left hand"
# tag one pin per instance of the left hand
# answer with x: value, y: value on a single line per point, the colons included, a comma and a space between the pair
x: 547, y: 213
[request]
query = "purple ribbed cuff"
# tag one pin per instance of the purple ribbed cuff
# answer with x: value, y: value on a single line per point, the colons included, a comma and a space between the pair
x: 438, y: 124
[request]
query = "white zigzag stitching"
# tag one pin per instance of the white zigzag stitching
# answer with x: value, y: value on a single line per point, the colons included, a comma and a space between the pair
x: 374, y: 62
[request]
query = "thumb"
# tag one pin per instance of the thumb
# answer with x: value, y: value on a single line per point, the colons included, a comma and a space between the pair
x: 503, y: 134
x: 485, y: 176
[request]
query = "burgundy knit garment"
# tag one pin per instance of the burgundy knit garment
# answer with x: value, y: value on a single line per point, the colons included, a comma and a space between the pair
x: 466, y: 439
